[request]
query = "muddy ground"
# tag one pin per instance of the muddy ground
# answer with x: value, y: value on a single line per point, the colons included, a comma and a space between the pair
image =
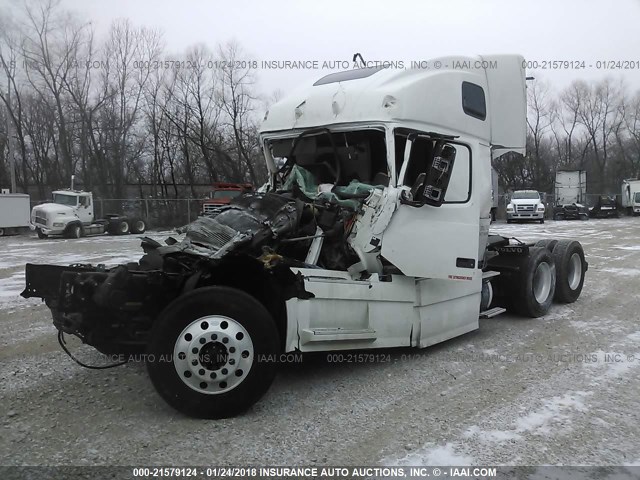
x: 563, y: 389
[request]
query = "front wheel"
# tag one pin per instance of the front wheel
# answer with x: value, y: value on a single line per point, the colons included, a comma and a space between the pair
x: 41, y: 234
x: 212, y: 352
x: 74, y: 231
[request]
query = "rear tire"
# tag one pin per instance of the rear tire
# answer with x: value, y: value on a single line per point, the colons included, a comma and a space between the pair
x: 138, y: 226
x: 571, y: 266
x: 549, y: 244
x: 123, y: 227
x: 197, y: 374
x: 526, y: 284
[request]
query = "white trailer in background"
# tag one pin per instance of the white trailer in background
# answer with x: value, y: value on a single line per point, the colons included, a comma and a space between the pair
x: 570, y: 194
x: 14, y: 213
x: 631, y: 196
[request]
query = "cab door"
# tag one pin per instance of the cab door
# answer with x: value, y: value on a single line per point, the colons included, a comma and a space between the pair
x: 85, y: 209
x: 435, y: 241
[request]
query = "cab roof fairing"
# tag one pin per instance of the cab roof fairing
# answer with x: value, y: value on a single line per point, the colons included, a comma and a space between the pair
x: 398, y: 96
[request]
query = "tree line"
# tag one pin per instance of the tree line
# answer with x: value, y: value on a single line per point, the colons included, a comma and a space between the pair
x: 592, y: 126
x: 113, y: 111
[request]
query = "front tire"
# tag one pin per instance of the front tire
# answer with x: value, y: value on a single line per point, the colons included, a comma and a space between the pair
x: 41, y: 234
x: 211, y: 352
x: 571, y: 266
x: 74, y: 231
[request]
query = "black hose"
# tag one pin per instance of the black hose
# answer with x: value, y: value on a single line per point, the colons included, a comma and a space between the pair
x: 92, y: 367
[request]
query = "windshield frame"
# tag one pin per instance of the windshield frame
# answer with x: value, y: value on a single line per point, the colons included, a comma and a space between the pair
x: 274, y: 168
x: 225, y: 193
x: 58, y: 196
x: 530, y: 195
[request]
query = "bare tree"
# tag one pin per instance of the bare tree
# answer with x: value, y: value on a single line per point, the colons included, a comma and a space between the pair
x: 601, y: 116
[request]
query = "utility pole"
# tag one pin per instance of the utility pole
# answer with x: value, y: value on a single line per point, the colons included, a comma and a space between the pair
x: 11, y: 158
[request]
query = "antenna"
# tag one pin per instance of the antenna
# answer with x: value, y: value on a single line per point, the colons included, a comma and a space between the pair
x: 356, y: 56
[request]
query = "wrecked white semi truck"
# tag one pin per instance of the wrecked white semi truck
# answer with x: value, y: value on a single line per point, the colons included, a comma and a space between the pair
x: 372, y: 233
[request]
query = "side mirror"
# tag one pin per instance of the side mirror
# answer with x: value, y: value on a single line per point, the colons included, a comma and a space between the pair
x: 430, y: 188
x: 439, y: 174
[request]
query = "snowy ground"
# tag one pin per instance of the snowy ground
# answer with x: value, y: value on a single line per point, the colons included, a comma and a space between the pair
x: 563, y: 389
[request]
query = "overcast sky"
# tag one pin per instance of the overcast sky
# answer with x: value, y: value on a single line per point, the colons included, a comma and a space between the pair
x: 588, y: 31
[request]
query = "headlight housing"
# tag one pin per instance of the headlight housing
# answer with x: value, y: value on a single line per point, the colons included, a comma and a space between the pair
x: 509, y: 208
x: 540, y: 207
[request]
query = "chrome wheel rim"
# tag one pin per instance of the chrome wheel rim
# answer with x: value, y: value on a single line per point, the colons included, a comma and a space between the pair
x: 213, y: 354
x: 542, y: 282
x: 574, y: 273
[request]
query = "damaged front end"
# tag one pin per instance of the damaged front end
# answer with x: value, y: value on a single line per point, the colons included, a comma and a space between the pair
x: 250, y: 244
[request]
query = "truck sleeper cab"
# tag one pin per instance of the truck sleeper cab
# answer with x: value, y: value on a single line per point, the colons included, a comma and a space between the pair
x: 373, y: 232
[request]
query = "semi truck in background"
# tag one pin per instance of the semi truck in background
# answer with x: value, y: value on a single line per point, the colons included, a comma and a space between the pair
x: 223, y: 193
x: 14, y: 213
x: 570, y: 195
x: 71, y: 215
x: 630, y: 196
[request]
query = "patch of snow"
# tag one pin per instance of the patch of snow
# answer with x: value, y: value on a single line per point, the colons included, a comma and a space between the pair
x: 434, y: 455
x: 554, y: 411
x: 627, y: 272
x: 491, y: 436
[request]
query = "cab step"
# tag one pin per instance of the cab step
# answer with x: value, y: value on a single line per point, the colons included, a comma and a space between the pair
x: 337, y: 335
x: 492, y: 312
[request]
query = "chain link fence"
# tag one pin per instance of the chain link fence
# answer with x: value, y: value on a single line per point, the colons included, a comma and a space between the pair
x: 157, y: 212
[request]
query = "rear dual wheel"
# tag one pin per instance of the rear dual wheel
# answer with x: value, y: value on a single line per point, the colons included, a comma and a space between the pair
x: 571, y: 267
x: 533, y: 289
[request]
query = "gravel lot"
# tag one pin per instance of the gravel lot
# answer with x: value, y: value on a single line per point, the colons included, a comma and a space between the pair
x: 563, y: 389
